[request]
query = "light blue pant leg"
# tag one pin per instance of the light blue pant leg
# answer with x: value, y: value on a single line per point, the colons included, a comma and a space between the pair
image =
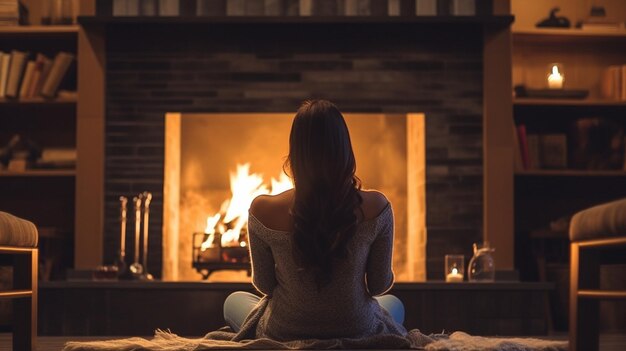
x: 237, y: 307
x: 393, y: 305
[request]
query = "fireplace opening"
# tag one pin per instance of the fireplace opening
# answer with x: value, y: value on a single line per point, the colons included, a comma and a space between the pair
x: 216, y: 163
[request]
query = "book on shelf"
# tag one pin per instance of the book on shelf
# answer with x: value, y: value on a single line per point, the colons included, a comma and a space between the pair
x: 596, y: 143
x: 5, y: 64
x: 16, y: 71
x: 59, y: 68
x: 553, y: 151
x: 534, y: 151
x: 624, y: 165
x: 42, y: 68
x: 57, y: 158
x: 171, y: 7
x: 426, y: 8
x: 613, y: 83
x: 518, y: 164
x: 523, y: 145
x: 26, y: 79
x: 9, y: 12
x: 125, y: 7
x: 204, y: 8
x: 540, y: 151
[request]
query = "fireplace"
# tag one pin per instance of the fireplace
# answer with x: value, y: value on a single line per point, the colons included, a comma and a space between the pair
x: 371, y: 66
x: 216, y: 163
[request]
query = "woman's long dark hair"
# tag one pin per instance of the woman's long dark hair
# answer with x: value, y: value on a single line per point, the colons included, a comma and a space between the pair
x: 323, y: 168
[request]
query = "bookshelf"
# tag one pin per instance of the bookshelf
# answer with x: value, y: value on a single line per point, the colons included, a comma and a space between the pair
x: 46, y: 196
x: 545, y: 198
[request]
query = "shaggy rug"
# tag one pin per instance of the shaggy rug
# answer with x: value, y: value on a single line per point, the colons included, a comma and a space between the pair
x: 222, y: 340
x: 225, y: 339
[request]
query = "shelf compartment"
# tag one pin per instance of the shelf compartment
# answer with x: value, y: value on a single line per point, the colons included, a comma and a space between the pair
x: 554, y: 35
x: 37, y: 100
x: 602, y: 294
x: 570, y: 173
x: 567, y: 102
x: 40, y: 173
x: 39, y: 30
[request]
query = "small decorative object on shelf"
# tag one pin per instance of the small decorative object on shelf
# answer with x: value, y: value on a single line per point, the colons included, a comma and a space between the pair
x: 553, y: 21
x: 481, y: 267
x: 455, y: 268
x: 555, y: 77
x: 599, y: 21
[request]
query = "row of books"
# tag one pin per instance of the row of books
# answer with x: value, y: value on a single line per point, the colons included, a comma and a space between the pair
x: 591, y: 143
x: 9, y: 12
x: 24, y: 78
x: 613, y: 83
x: 540, y: 151
x: 297, y: 7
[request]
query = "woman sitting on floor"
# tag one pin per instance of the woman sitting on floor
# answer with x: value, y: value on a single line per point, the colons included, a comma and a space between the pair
x: 321, y: 252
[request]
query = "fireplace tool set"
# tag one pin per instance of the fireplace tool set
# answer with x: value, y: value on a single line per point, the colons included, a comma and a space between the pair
x: 136, y: 270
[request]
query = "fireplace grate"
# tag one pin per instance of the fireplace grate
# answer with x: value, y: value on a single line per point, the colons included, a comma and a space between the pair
x: 218, y: 257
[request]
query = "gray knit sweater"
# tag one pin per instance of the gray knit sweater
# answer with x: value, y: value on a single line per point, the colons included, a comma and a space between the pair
x: 344, y: 308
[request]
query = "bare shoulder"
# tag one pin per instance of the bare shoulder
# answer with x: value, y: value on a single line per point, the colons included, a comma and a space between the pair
x: 273, y: 210
x: 374, y: 202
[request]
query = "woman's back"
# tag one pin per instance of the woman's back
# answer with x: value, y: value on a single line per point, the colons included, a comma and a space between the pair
x: 344, y: 307
x: 273, y: 211
x: 322, y: 251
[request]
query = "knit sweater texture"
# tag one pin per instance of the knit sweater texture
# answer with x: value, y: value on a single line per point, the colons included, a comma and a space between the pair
x: 345, y: 308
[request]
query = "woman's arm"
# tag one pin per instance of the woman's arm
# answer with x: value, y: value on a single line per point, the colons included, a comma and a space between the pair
x: 379, y: 275
x: 263, y: 266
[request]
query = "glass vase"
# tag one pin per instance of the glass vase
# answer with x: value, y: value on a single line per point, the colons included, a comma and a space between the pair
x: 482, y: 267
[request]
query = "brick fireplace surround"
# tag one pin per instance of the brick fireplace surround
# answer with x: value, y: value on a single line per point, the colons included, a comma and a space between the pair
x: 434, y: 67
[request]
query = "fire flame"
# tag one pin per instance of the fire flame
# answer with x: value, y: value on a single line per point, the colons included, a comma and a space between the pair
x: 233, y: 215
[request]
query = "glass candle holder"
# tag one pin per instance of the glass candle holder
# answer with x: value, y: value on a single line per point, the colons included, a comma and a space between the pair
x: 555, y: 76
x: 455, y: 268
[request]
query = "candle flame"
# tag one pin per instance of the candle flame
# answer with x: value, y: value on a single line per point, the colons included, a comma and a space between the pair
x: 455, y: 271
x: 555, y: 70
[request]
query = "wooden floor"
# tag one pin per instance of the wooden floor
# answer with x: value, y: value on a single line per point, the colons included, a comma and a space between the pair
x: 609, y: 342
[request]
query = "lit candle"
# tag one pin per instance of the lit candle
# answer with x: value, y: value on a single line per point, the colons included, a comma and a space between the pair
x: 555, y: 79
x: 454, y: 276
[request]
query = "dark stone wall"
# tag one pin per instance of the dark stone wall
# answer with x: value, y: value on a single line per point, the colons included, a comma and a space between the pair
x: 152, y: 69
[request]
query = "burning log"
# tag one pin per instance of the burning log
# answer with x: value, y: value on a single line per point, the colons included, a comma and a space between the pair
x: 225, y: 236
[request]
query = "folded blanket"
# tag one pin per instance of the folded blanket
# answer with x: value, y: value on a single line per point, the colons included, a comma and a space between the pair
x: 221, y: 340
x: 600, y: 221
x: 15, y: 231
